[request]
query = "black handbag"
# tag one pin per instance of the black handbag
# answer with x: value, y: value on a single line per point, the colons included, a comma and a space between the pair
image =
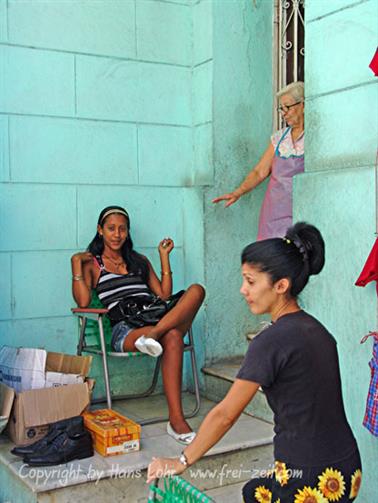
x: 143, y: 311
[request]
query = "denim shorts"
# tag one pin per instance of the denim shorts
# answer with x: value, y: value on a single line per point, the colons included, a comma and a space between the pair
x: 119, y: 333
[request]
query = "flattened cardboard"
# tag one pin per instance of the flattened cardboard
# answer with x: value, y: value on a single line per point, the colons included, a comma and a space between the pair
x: 52, y: 404
x: 68, y: 364
x: 6, y: 401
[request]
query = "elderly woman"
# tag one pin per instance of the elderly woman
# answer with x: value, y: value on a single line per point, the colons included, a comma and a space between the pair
x: 283, y: 159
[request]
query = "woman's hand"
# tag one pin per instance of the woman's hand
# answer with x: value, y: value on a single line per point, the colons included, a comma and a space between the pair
x: 163, y: 467
x: 81, y: 257
x: 230, y: 198
x: 166, y: 246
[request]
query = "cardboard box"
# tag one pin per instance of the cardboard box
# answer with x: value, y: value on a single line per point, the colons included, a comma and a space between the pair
x: 112, y: 433
x: 22, y: 368
x: 68, y: 364
x: 6, y: 401
x: 55, y: 379
x: 35, y: 409
x: 64, y: 369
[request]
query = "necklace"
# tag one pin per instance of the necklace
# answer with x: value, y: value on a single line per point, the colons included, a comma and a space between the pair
x: 282, y: 310
x: 116, y: 264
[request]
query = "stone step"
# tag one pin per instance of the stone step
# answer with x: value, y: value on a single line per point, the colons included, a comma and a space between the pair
x: 227, y: 494
x: 218, y: 380
x: 245, y: 448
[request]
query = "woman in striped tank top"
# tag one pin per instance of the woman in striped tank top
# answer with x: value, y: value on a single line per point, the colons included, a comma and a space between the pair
x: 117, y: 271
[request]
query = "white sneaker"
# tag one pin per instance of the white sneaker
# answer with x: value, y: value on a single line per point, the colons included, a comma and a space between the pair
x: 148, y: 346
x: 183, y: 438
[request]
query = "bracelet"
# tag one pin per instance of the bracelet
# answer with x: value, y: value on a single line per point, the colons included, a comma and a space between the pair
x: 76, y: 277
x: 166, y: 273
x: 183, y: 459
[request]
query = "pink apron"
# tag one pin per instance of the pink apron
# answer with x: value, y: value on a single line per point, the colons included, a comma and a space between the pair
x: 276, y: 213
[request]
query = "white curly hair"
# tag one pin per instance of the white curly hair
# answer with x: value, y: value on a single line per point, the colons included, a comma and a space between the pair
x: 295, y: 89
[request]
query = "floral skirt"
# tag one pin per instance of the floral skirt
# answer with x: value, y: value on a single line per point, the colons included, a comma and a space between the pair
x: 338, y: 482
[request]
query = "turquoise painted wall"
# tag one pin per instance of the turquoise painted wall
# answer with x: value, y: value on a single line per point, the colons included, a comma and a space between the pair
x: 242, y: 125
x: 123, y: 108
x: 100, y: 103
x: 337, y: 192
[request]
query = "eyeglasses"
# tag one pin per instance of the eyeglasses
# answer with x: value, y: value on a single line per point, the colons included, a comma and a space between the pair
x: 283, y: 109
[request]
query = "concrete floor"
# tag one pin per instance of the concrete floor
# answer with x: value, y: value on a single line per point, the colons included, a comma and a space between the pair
x: 246, y: 433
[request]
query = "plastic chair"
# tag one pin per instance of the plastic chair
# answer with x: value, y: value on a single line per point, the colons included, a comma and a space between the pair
x: 176, y: 490
x: 95, y: 324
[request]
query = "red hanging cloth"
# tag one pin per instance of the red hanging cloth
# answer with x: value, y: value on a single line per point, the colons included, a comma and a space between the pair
x: 370, y: 270
x: 374, y: 63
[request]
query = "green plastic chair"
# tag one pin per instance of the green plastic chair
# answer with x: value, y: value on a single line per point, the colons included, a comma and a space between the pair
x: 176, y: 490
x: 95, y: 338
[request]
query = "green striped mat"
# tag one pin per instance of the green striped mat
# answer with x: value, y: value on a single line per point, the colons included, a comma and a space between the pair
x: 177, y: 490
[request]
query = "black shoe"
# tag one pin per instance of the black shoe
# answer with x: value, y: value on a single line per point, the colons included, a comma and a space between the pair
x: 73, y: 424
x: 62, y: 449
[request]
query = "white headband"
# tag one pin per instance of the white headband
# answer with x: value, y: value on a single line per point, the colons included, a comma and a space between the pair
x: 114, y: 210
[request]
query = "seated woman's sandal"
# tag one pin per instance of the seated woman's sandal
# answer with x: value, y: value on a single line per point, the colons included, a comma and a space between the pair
x: 183, y: 438
x: 149, y: 346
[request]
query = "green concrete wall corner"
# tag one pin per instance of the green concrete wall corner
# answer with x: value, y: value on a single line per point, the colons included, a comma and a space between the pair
x: 337, y: 193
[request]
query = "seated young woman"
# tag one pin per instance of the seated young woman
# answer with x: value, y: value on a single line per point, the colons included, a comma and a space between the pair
x: 116, y: 271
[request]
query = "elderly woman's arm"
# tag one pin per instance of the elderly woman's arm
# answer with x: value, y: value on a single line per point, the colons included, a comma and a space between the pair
x: 253, y: 179
x: 217, y: 422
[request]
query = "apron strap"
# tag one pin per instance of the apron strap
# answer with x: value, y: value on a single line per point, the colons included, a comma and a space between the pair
x: 282, y: 137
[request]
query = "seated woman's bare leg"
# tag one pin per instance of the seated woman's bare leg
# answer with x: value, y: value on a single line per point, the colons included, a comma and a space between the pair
x: 172, y: 360
x: 129, y: 344
x: 182, y: 315
x: 171, y: 368
x: 170, y: 331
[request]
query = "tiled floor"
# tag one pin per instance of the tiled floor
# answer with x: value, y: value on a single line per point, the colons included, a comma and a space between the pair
x: 247, y: 432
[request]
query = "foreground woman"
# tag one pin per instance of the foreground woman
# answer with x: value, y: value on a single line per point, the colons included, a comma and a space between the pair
x: 119, y: 274
x: 295, y: 361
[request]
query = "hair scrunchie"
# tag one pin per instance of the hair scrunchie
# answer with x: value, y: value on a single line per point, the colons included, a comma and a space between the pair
x: 296, y: 241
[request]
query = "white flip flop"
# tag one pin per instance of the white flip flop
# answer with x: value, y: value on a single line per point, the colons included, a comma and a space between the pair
x: 182, y: 438
x: 148, y: 346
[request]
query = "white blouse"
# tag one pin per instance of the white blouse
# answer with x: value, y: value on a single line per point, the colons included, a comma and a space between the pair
x: 287, y: 147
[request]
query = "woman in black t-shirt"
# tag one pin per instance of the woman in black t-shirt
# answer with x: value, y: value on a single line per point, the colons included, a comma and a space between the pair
x: 295, y: 361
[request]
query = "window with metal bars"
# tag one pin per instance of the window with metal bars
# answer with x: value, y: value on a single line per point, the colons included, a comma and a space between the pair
x: 288, y: 51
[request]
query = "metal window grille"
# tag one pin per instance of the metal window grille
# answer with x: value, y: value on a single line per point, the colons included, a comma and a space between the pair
x: 289, y: 49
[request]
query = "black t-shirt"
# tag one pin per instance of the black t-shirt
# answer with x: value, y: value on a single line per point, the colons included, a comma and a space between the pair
x: 295, y: 361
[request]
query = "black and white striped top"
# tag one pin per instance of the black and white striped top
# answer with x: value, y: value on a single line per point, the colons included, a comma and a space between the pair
x: 112, y: 288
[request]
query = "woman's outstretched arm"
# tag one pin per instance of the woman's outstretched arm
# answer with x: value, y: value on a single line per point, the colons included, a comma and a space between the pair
x: 253, y: 179
x: 217, y: 422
